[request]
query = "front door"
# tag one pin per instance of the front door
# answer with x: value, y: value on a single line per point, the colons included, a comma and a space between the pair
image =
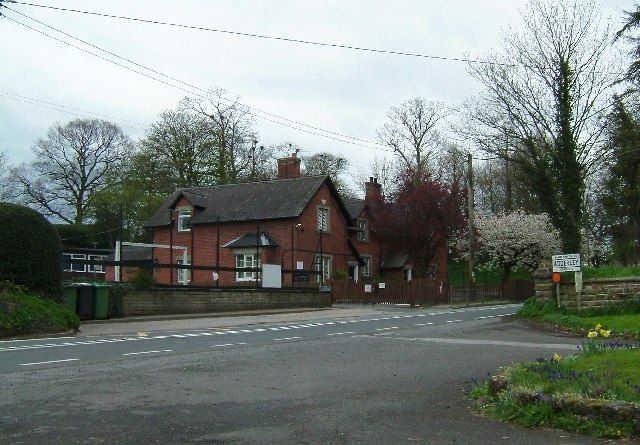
x: 353, y: 271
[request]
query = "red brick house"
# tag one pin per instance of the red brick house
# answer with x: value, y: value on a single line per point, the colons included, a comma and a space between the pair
x: 301, y: 223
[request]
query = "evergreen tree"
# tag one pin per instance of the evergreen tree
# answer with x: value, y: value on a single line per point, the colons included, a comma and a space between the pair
x: 621, y: 198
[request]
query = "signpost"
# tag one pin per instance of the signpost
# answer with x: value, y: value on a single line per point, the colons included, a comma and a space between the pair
x: 568, y: 263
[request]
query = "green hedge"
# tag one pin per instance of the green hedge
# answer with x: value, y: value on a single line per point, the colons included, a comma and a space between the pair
x: 31, y: 250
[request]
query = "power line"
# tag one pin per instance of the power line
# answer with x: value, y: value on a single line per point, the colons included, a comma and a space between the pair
x: 259, y: 113
x: 264, y: 36
x: 62, y: 108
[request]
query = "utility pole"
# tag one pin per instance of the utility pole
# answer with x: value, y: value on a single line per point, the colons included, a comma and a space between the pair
x: 472, y: 277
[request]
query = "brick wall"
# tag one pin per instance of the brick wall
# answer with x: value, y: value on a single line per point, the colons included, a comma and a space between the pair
x: 598, y: 292
x: 193, y: 301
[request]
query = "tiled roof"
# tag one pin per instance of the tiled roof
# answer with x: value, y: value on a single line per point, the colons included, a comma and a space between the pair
x: 354, y: 206
x: 249, y: 240
x: 394, y: 261
x: 276, y: 199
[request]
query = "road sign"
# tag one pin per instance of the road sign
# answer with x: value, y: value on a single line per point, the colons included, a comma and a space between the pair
x: 555, y: 277
x: 566, y: 263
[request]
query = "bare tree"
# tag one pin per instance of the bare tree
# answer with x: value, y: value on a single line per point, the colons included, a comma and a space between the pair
x: 71, y: 164
x: 232, y: 128
x: 544, y: 102
x: 5, y: 182
x: 451, y: 164
x: 412, y: 132
x: 385, y: 170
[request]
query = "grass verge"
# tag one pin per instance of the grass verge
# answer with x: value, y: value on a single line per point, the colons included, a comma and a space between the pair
x: 608, y: 378
x: 623, y: 320
x: 23, y: 313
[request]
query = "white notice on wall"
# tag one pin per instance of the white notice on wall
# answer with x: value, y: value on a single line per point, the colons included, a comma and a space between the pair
x: 382, y: 285
x: 367, y: 288
x: 214, y: 276
x: 299, y: 265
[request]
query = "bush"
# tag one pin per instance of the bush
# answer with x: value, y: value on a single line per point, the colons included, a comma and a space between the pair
x: 34, y: 315
x: 143, y: 279
x: 31, y: 250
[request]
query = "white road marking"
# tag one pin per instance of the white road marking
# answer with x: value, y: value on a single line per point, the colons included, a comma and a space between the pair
x: 221, y: 345
x: 245, y: 330
x: 259, y: 330
x: 286, y: 338
x: 34, y: 339
x: 178, y: 336
x: 386, y: 329
x: 50, y: 361
x: 465, y: 341
x: 192, y: 335
x: 285, y: 327
x: 424, y: 324
x: 454, y: 321
x: 220, y: 333
x: 341, y: 333
x: 232, y: 332
x: 149, y: 352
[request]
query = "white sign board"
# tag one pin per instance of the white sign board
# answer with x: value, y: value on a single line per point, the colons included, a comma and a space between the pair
x: 566, y: 263
x: 299, y: 265
x: 272, y: 276
x: 382, y: 285
x: 367, y: 288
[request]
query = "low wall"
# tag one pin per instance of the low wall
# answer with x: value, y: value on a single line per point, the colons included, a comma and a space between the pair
x: 193, y: 301
x: 596, y: 292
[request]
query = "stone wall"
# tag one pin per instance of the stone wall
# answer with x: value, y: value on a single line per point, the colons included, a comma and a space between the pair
x: 596, y: 292
x: 193, y: 301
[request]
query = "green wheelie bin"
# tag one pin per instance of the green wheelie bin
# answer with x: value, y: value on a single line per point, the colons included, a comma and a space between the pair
x: 70, y: 297
x: 101, y: 302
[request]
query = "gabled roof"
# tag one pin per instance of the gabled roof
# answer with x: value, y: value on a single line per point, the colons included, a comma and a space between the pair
x: 251, y: 201
x: 394, y: 261
x: 249, y: 240
x: 354, y: 206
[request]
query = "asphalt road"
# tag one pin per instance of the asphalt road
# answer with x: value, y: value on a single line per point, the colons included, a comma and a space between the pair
x: 393, y: 376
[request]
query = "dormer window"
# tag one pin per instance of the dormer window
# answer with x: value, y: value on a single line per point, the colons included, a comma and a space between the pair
x: 363, y: 232
x: 183, y: 220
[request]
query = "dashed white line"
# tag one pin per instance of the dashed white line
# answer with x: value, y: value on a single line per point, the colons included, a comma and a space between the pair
x: 286, y: 338
x: 148, y: 352
x: 454, y: 321
x: 341, y: 333
x: 386, y: 329
x: 50, y: 361
x: 424, y: 324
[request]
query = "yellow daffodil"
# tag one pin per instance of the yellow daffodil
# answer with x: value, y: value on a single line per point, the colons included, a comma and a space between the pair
x: 605, y: 333
x: 556, y: 357
x: 598, y: 327
x: 592, y: 334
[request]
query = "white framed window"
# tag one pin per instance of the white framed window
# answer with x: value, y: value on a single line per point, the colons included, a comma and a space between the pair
x: 183, y: 220
x: 70, y: 266
x: 363, y: 232
x: 323, y: 219
x: 247, y: 260
x: 366, y: 269
x: 323, y: 264
x: 96, y: 268
x: 184, y: 275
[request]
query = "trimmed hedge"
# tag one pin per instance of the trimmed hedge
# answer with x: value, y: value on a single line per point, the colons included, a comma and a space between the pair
x: 31, y: 250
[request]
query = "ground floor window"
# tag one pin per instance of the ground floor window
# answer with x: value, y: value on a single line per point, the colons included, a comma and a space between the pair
x: 184, y: 275
x: 68, y: 264
x: 323, y: 264
x: 247, y: 260
x: 407, y: 274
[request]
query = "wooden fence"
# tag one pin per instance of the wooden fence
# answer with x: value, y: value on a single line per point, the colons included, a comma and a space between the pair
x: 423, y: 292
x: 513, y: 290
x: 427, y: 292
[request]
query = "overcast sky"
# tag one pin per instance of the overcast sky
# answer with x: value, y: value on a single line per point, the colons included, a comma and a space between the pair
x: 344, y: 91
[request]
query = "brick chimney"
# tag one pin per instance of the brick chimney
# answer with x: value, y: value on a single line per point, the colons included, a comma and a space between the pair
x: 289, y: 167
x: 373, y: 190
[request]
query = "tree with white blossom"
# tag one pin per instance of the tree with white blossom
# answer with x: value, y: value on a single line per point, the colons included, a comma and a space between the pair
x: 516, y: 240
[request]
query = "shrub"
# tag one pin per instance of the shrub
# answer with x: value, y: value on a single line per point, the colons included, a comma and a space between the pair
x: 37, y: 315
x: 31, y: 250
x: 143, y: 279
